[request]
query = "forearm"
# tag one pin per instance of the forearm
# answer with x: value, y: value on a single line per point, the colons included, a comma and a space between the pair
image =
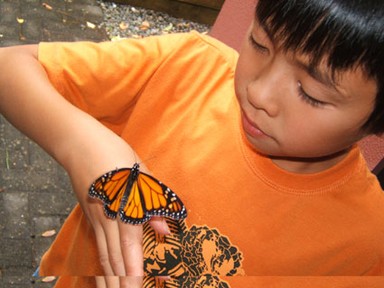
x: 75, y: 139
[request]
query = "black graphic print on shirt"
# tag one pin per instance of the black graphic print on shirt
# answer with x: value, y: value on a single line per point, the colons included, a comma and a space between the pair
x: 193, y: 257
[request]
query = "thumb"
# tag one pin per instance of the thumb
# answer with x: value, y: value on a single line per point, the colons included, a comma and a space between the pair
x: 159, y: 225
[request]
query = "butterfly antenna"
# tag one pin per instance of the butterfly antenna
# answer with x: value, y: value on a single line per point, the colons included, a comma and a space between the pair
x: 146, y: 160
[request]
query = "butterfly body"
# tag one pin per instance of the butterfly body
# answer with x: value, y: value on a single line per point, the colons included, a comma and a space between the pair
x: 136, y: 196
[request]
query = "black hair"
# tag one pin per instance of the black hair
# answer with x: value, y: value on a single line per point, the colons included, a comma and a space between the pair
x: 347, y: 33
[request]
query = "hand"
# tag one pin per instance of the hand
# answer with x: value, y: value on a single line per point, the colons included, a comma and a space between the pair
x: 119, y: 244
x: 120, y: 247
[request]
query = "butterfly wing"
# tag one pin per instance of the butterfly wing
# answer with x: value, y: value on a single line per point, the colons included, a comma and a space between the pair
x: 110, y: 188
x: 133, y: 212
x: 136, y: 196
x: 149, y: 197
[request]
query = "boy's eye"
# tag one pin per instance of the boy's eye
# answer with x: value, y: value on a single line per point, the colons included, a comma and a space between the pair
x: 256, y: 45
x: 307, y: 98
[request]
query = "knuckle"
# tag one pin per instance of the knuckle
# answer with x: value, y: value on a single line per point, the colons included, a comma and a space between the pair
x: 104, y: 261
x: 129, y: 243
x: 126, y: 242
x: 116, y: 260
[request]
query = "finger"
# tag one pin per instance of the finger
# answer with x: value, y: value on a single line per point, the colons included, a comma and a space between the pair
x: 97, y: 219
x: 115, y: 256
x: 131, y: 241
x: 112, y: 281
x: 100, y: 282
x: 131, y: 282
x: 102, y: 247
x: 160, y: 225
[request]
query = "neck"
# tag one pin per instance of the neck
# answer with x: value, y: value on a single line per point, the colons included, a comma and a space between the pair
x: 309, y: 165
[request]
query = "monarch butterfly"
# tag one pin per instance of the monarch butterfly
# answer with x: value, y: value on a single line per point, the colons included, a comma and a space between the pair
x: 136, y: 196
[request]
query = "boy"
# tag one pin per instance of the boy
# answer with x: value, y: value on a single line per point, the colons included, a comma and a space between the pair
x: 263, y: 156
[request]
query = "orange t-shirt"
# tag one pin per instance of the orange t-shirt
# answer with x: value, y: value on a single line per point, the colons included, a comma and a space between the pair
x: 172, y: 99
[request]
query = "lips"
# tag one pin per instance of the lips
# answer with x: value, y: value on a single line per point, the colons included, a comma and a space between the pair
x: 251, y: 128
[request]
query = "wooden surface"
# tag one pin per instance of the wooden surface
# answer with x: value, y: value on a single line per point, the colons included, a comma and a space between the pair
x: 214, y: 4
x: 201, y: 11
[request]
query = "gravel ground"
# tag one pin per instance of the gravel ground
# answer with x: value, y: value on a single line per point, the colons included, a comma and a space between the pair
x: 124, y: 21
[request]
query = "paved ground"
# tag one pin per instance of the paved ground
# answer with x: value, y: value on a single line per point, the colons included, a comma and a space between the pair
x: 35, y: 195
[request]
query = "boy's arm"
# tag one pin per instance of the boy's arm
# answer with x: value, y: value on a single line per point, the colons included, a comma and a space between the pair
x: 84, y: 147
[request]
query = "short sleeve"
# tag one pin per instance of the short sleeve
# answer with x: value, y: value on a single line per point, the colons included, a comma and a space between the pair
x: 105, y: 79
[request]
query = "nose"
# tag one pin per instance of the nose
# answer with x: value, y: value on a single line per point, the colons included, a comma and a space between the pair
x: 263, y: 94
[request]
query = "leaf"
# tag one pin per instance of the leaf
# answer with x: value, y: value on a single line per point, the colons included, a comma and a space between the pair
x: 168, y: 28
x: 117, y: 38
x: 46, y: 6
x: 145, y: 25
x: 183, y: 25
x: 123, y: 25
x: 49, y: 233
x: 91, y: 25
x: 48, y: 279
x: 20, y: 20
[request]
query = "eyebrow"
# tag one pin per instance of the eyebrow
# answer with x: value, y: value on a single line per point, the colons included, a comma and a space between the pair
x: 265, y: 29
x: 311, y: 70
x: 316, y: 74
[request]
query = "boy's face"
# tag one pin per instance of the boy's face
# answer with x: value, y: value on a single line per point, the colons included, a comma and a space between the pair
x: 291, y: 111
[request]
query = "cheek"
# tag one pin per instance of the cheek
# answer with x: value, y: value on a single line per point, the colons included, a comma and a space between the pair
x: 245, y: 73
x: 240, y: 82
x: 315, y: 136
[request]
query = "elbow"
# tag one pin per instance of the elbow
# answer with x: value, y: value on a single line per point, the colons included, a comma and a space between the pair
x: 13, y: 61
